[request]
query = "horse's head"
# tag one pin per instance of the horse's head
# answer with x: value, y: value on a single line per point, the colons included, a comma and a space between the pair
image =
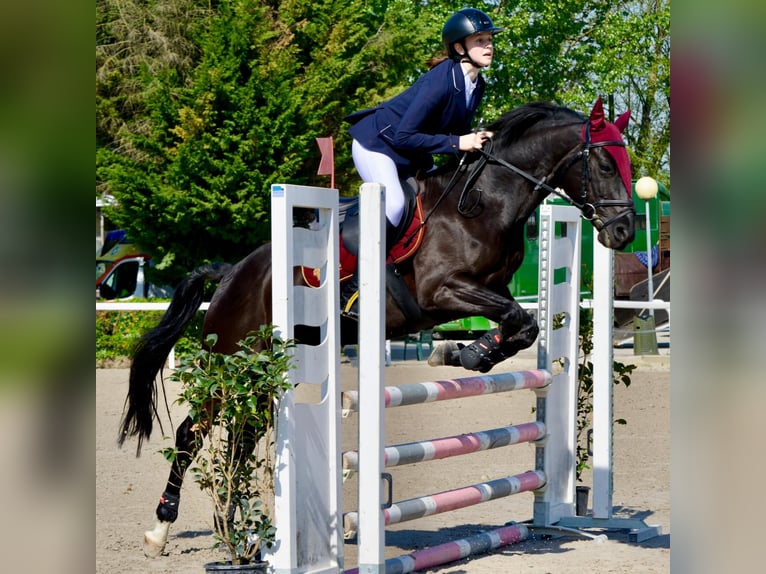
x: 555, y: 148
x: 598, y: 179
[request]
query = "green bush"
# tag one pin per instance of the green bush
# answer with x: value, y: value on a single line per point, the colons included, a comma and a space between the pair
x: 117, y: 333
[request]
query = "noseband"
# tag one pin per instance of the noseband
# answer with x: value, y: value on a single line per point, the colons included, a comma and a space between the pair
x: 581, y: 152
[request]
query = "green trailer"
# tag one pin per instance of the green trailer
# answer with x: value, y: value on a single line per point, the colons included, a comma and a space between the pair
x: 523, y: 285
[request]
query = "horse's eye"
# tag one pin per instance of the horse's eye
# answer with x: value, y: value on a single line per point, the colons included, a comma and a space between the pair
x: 605, y: 168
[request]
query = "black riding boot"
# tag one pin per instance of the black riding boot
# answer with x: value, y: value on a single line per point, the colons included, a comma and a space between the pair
x: 349, y: 293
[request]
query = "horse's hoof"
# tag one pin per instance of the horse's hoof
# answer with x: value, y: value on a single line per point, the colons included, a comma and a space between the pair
x: 441, y: 354
x: 151, y: 548
x: 155, y: 540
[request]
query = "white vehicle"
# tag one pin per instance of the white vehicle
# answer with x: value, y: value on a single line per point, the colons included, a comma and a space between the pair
x: 120, y: 271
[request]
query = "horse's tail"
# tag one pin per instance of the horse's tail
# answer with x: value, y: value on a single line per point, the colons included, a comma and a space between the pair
x: 155, y: 346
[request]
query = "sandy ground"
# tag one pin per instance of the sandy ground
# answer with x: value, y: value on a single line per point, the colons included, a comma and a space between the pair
x: 128, y: 488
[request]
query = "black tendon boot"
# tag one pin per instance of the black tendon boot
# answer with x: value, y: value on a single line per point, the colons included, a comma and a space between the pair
x: 167, y: 509
x: 483, y: 353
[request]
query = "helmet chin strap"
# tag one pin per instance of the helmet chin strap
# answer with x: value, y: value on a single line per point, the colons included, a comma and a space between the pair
x: 467, y: 58
x: 470, y: 60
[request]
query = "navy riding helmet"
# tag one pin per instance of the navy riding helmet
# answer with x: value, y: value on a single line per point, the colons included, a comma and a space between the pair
x: 462, y: 24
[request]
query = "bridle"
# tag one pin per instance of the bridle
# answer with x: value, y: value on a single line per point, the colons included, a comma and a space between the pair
x: 580, y: 153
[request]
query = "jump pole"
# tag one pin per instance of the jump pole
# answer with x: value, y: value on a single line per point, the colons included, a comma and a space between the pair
x: 448, y: 389
x: 446, y: 447
x: 454, y: 550
x: 450, y: 500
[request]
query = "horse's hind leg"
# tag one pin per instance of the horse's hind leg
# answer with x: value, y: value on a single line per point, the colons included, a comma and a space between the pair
x: 187, y: 444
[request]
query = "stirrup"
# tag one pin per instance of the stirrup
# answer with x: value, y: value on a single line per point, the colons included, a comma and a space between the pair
x: 351, y: 307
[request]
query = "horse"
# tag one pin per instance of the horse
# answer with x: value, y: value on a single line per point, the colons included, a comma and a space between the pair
x: 473, y: 242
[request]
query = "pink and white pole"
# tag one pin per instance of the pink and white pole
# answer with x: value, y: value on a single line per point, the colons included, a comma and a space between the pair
x: 450, y: 500
x: 438, y: 448
x: 444, y: 390
x: 454, y: 550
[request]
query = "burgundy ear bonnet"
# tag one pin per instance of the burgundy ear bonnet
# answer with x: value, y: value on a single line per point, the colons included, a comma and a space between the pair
x: 604, y: 131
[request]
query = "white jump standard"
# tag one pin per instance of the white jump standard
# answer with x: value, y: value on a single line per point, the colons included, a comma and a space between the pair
x: 309, y: 521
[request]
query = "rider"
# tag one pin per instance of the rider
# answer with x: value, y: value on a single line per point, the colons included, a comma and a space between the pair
x: 399, y: 137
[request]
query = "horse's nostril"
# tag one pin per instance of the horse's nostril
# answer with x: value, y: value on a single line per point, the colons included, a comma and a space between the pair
x: 621, y: 232
x: 625, y: 233
x: 624, y: 230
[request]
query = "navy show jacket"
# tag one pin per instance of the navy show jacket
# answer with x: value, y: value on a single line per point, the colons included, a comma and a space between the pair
x: 425, y: 119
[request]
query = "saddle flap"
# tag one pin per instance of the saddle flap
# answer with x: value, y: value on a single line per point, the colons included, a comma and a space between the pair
x: 404, y: 249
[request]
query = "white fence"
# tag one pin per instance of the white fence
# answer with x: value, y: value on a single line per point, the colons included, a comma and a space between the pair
x: 148, y: 306
x: 145, y: 306
x: 586, y: 303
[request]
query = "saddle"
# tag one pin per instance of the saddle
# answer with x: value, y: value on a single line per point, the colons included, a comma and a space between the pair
x: 402, y: 242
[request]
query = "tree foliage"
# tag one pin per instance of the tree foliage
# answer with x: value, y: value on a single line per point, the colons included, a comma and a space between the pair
x: 201, y: 106
x: 572, y: 51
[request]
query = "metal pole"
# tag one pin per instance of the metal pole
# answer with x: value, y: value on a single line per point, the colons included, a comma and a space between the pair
x: 650, y: 284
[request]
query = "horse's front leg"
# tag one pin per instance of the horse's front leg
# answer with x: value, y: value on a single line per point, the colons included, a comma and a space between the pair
x: 494, y: 346
x: 516, y: 330
x: 187, y: 444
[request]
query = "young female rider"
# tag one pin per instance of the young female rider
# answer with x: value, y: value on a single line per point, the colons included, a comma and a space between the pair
x: 398, y: 138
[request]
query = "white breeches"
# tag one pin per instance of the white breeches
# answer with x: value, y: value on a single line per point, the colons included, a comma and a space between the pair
x: 374, y: 167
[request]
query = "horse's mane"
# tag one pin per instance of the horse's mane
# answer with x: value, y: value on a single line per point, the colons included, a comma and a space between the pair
x: 512, y: 125
x: 509, y: 128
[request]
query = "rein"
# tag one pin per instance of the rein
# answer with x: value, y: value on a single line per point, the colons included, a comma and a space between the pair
x: 445, y: 193
x: 587, y: 209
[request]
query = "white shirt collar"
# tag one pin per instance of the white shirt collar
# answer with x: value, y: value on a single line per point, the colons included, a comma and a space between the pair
x: 470, y: 86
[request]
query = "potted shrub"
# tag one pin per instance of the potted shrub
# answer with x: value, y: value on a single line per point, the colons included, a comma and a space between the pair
x: 233, y: 400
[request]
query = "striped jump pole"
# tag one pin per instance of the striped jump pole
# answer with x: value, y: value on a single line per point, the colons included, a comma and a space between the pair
x: 449, y: 500
x: 454, y: 550
x: 435, y: 449
x: 443, y: 390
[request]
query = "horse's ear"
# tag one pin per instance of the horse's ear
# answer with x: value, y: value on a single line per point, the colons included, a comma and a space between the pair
x: 597, y: 116
x: 622, y: 122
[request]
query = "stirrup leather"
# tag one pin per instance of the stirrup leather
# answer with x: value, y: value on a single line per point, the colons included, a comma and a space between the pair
x: 350, y: 302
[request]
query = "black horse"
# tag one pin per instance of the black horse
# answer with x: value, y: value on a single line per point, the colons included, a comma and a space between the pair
x: 472, y: 245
